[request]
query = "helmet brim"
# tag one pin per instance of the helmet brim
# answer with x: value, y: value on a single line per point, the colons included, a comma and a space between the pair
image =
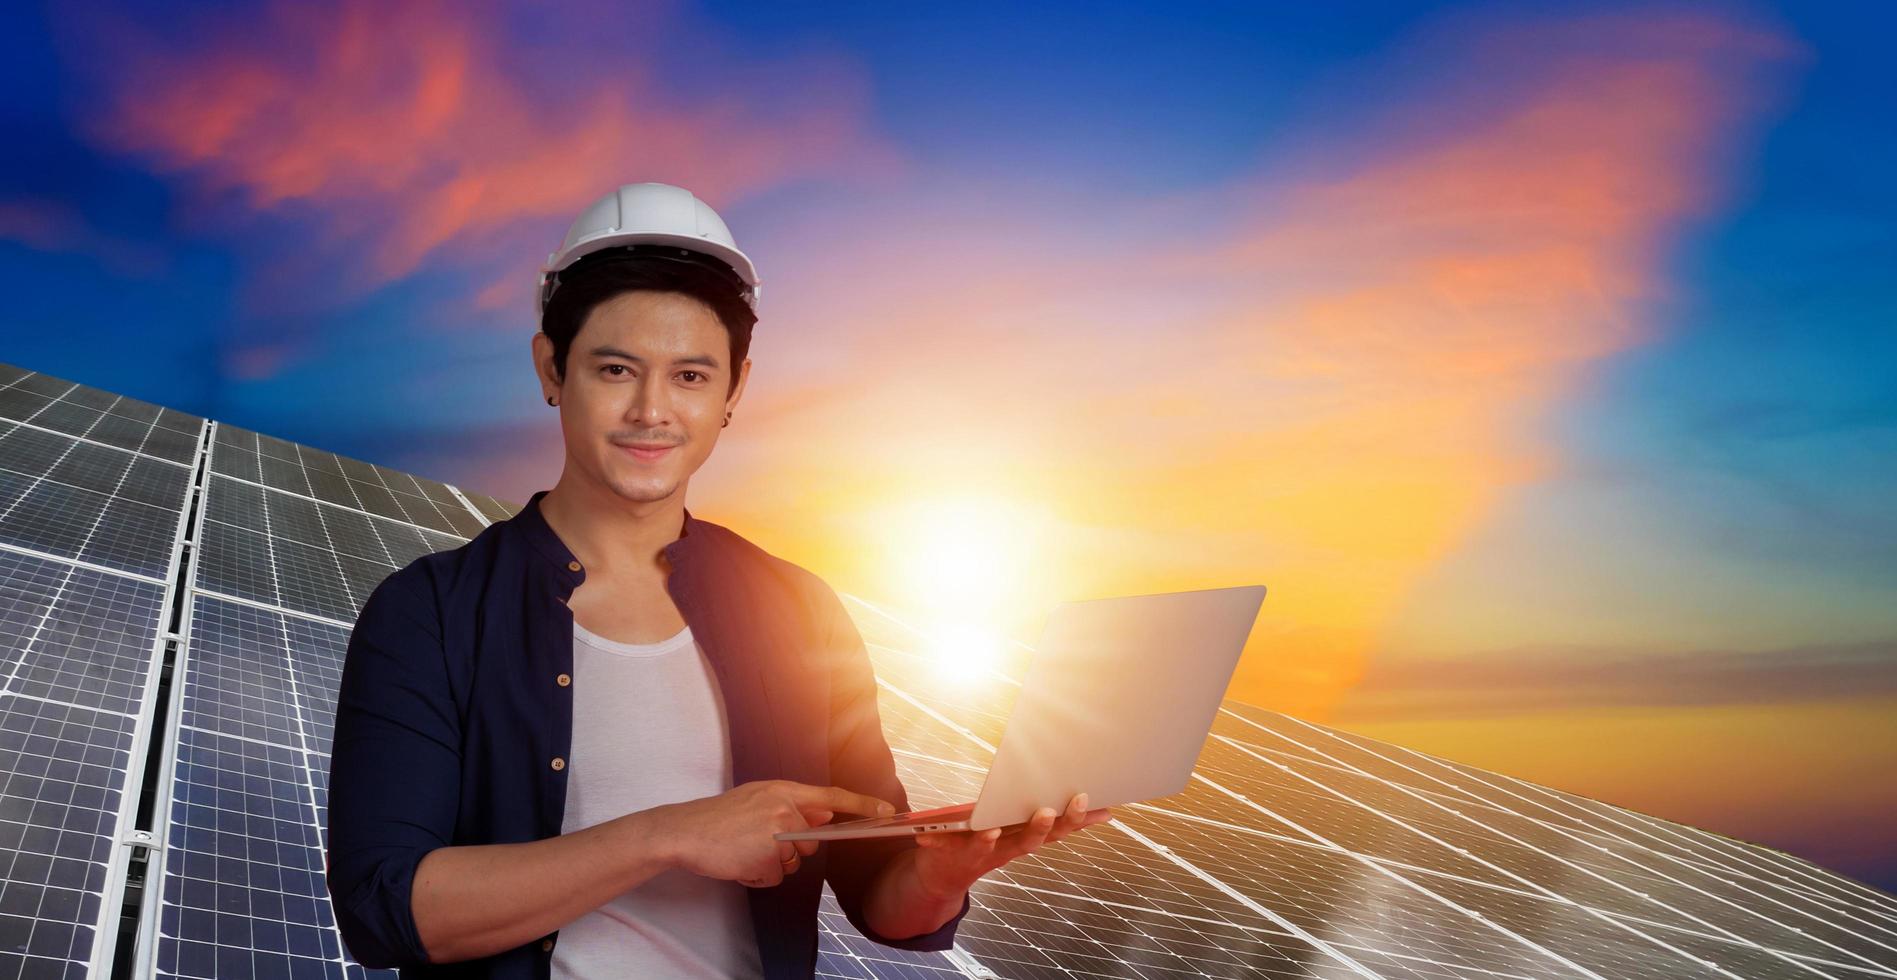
x: 735, y: 260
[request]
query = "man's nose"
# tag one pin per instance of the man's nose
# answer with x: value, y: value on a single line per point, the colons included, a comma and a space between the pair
x: 650, y: 404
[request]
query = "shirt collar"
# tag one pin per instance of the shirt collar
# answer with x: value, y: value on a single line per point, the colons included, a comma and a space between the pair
x: 691, y: 540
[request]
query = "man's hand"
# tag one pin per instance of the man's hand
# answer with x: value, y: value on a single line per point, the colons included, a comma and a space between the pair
x: 729, y: 836
x: 947, y: 864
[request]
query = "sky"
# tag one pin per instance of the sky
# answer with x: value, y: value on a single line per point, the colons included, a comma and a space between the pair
x: 1539, y: 359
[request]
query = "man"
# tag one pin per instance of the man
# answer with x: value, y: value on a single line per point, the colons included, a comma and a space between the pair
x: 563, y: 749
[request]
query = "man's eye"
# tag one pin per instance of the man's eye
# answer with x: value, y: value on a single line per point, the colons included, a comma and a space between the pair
x: 615, y: 367
x: 691, y: 372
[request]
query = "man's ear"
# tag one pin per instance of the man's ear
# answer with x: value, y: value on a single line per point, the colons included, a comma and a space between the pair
x: 737, y: 390
x: 542, y: 354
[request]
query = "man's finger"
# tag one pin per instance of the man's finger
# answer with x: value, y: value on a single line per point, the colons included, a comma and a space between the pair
x: 1032, y: 834
x: 838, y: 799
x: 1068, y: 826
x: 1073, y: 818
x: 806, y: 847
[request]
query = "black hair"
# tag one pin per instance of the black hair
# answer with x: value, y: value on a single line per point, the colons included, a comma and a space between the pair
x: 599, y: 276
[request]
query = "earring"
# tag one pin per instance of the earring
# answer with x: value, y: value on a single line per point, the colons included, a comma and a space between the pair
x: 726, y: 422
x: 550, y: 400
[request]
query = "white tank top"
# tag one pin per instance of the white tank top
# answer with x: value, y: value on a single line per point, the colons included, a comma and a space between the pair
x: 648, y: 729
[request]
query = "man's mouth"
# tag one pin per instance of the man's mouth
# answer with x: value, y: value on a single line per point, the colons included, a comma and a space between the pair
x: 650, y: 451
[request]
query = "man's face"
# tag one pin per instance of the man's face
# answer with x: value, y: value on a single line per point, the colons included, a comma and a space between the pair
x: 646, y: 369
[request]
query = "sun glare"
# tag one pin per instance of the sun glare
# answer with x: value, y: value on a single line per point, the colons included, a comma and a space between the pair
x: 964, y: 654
x: 960, y: 561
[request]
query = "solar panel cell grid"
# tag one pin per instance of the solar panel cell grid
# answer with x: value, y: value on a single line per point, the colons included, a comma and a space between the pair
x: 352, y: 533
x: 908, y: 728
x: 133, y: 536
x: 12, y: 487
x: 1336, y: 896
x: 284, y: 475
x: 175, y: 420
x: 315, y: 651
x: 43, y: 384
x: 358, y: 471
x: 235, y: 562
x: 176, y: 445
x: 275, y: 448
x: 234, y: 502
x: 333, y: 488
x: 92, y: 647
x: 238, y: 463
x: 91, y: 467
x: 237, y: 680
x: 63, y: 776
x: 423, y: 512
x: 403, y: 542
x: 154, y: 483
x: 1690, y: 847
x: 73, y: 522
x: 843, y: 952
x: 63, y: 416
x: 296, y: 519
x: 377, y: 500
x: 34, y: 451
x: 1741, y: 958
x: 244, y: 893
x: 319, y: 461
x: 437, y: 541
x: 91, y: 397
x: 1729, y: 896
x: 18, y: 403
x: 309, y: 580
x: 493, y: 509
x: 54, y: 518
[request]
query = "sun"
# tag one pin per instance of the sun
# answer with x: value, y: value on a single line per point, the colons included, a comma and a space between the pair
x: 964, y: 654
x: 960, y: 561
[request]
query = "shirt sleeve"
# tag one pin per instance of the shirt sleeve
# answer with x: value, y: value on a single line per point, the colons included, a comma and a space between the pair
x: 395, y: 772
x: 860, y: 760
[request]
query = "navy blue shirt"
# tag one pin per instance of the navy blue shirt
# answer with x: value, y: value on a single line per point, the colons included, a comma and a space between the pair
x: 454, y: 722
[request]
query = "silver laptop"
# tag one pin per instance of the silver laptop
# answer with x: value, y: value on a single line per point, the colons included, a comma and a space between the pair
x: 1117, y: 703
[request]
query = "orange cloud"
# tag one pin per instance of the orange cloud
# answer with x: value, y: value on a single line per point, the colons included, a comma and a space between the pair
x: 1425, y: 309
x: 1320, y: 379
x: 394, y: 133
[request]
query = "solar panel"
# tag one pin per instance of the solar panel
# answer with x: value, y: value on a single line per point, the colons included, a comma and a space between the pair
x: 176, y: 596
x: 93, y: 498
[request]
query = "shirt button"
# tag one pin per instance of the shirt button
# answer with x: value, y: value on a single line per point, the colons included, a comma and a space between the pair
x: 573, y: 566
x: 558, y: 763
x: 546, y: 944
x: 563, y: 680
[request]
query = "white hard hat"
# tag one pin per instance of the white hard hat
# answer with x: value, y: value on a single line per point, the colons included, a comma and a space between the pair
x: 649, y: 213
